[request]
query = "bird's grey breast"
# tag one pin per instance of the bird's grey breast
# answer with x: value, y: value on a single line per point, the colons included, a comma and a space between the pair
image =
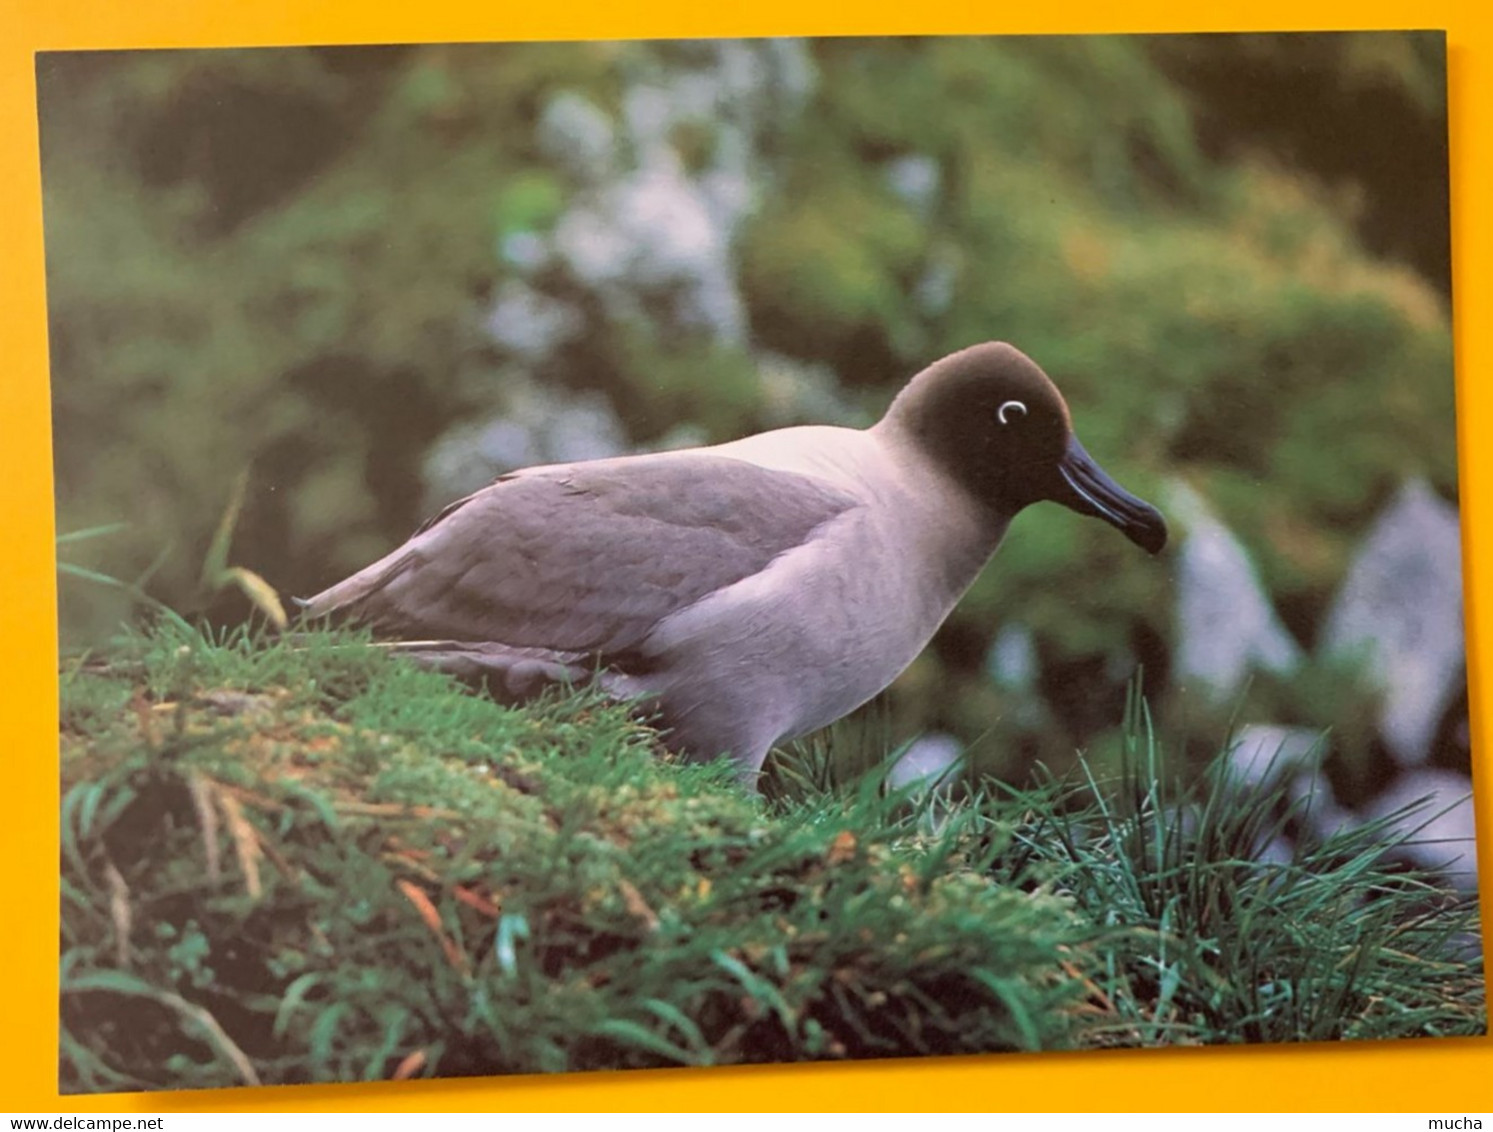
x: 832, y: 621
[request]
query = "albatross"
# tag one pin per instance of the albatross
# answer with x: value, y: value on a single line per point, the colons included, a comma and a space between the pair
x: 749, y: 592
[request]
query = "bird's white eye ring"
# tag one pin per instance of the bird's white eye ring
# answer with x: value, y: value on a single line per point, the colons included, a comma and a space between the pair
x: 1010, y: 407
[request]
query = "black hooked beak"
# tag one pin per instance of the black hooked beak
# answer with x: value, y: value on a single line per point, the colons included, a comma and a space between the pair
x: 1085, y: 487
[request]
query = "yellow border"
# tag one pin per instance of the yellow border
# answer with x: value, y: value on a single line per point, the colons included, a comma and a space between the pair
x: 1448, y: 1076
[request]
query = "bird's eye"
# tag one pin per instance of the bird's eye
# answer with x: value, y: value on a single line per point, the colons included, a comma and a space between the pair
x: 1010, y: 411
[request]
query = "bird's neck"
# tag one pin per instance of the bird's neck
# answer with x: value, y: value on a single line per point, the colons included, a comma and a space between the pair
x: 956, y: 529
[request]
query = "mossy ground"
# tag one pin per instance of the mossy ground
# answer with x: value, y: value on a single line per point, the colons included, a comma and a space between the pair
x: 312, y: 862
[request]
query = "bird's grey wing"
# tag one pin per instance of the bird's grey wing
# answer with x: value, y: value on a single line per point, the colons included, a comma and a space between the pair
x: 587, y: 557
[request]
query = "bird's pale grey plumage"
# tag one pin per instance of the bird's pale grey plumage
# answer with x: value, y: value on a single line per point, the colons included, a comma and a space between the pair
x: 752, y: 591
x: 589, y: 557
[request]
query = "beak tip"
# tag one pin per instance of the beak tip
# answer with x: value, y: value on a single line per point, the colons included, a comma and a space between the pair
x: 1153, y: 539
x: 1148, y: 529
x: 1086, y: 488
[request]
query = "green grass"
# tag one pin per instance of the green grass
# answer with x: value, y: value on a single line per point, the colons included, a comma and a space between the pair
x: 312, y: 862
x: 1334, y: 940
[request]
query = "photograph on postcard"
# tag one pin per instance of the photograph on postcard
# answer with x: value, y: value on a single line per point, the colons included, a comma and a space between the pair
x: 606, y: 555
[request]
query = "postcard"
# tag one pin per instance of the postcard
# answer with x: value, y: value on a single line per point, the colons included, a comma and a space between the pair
x: 637, y: 554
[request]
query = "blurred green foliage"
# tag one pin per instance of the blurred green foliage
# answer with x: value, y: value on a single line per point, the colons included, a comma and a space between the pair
x: 281, y: 261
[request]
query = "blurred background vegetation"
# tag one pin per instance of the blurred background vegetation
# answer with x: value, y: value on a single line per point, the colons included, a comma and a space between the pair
x: 373, y: 277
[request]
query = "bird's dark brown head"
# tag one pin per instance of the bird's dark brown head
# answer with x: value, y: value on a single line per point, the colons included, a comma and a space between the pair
x: 998, y: 425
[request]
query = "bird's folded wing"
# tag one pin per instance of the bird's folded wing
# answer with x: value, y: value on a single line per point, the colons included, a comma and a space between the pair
x: 587, y: 557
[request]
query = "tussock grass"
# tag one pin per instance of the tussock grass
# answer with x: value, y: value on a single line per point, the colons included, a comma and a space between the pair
x: 320, y: 863
x: 317, y: 863
x: 1239, y: 933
